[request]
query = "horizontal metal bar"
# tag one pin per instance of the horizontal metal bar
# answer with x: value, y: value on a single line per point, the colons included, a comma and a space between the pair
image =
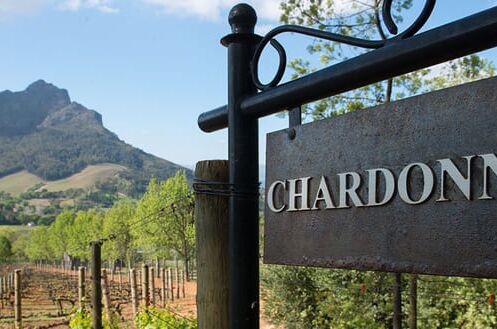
x: 460, y: 38
x: 214, y: 120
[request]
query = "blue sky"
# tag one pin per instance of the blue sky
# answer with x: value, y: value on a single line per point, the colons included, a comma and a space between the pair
x: 150, y: 67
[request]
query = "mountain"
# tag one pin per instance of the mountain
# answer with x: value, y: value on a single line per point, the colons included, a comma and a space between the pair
x: 46, y: 134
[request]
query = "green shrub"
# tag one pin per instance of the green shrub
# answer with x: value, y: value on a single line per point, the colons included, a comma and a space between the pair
x: 163, y: 319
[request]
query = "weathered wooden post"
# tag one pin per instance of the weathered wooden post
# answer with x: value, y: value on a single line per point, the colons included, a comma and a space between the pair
x: 171, y: 281
x: 157, y: 266
x: 106, y: 294
x: 17, y: 296
x: 211, y: 224
x: 96, y: 297
x: 163, y: 287
x: 152, y: 286
x: 413, y: 301
x: 81, y: 287
x: 145, y: 293
x: 178, y: 283
x: 120, y: 279
x: 183, y: 279
x: 1, y: 291
x: 134, y: 293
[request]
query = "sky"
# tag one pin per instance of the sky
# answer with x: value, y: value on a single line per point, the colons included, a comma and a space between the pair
x: 150, y: 67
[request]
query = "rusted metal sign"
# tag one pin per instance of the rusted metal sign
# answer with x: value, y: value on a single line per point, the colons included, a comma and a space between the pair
x: 404, y: 187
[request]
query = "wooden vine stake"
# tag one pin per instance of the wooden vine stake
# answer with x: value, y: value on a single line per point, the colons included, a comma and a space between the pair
x: 170, y: 275
x: 81, y: 287
x: 145, y: 294
x: 152, y: 286
x: 163, y: 287
x: 17, y: 296
x: 134, y: 293
x: 211, y: 225
x: 106, y: 294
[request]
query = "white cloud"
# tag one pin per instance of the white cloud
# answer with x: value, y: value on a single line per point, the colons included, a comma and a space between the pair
x: 211, y: 9
x: 12, y: 8
x: 104, y: 6
x: 21, y: 7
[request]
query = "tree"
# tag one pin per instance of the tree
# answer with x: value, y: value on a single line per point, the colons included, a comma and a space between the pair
x: 37, y: 246
x: 299, y: 297
x: 167, y: 211
x: 179, y: 228
x: 58, y: 234
x: 5, y: 249
x: 117, y: 225
x: 86, y: 227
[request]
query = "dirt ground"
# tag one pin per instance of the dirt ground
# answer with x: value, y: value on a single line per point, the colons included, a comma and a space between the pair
x: 50, y: 296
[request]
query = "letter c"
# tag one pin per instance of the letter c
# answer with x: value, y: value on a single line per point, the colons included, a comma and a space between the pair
x: 270, y: 196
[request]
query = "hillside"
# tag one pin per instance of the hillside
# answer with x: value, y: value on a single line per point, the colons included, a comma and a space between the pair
x: 22, y: 181
x: 47, y: 137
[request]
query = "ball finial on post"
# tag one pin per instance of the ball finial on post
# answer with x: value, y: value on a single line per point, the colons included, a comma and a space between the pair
x: 242, y: 18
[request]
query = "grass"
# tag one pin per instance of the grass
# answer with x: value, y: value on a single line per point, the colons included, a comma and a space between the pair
x: 86, y: 178
x: 21, y: 181
x: 8, y: 230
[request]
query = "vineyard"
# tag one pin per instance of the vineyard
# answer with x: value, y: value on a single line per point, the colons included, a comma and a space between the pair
x: 54, y: 297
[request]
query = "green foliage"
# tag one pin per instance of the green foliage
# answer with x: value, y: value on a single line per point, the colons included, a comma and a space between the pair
x: 169, y: 206
x: 5, y: 249
x: 159, y: 225
x: 118, y: 223
x: 81, y: 319
x: 87, y: 227
x: 163, y: 319
x: 37, y: 246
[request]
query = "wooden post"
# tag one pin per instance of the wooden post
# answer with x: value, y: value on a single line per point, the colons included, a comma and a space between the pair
x: 163, y: 287
x: 1, y: 292
x: 211, y: 221
x: 152, y: 286
x: 134, y: 293
x: 17, y: 311
x: 183, y: 276
x: 96, y: 265
x: 106, y: 294
x: 178, y: 284
x: 81, y: 287
x: 170, y: 274
x: 120, y: 279
x: 413, y: 301
x: 167, y: 283
x: 145, y: 293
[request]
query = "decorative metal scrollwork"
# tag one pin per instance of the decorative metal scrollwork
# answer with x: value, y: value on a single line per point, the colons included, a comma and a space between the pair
x: 363, y: 43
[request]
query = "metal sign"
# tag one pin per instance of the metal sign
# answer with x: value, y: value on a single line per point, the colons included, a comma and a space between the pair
x: 404, y: 187
x: 249, y: 100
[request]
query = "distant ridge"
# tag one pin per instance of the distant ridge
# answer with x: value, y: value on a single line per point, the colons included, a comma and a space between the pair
x: 45, y: 133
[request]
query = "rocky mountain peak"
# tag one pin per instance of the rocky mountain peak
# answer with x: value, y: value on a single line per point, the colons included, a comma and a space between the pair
x: 21, y: 112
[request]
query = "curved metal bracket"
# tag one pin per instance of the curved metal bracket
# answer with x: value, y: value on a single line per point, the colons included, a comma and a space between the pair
x: 363, y: 43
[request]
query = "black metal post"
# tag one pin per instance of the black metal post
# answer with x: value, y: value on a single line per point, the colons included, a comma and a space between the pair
x: 460, y: 38
x: 397, y: 301
x: 243, y: 173
x: 96, y: 298
x: 295, y: 116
